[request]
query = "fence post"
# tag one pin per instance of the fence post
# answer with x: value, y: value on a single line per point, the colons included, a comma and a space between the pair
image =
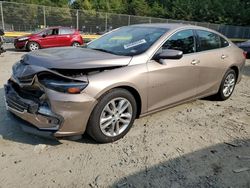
x: 128, y: 19
x: 106, y: 22
x: 1, y: 7
x: 44, y: 17
x: 77, y: 19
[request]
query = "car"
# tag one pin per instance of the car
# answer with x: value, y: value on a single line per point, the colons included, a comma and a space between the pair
x: 125, y: 74
x: 50, y: 37
x: 245, y: 46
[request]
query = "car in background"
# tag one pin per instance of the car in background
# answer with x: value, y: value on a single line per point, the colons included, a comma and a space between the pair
x: 246, y: 47
x: 50, y: 37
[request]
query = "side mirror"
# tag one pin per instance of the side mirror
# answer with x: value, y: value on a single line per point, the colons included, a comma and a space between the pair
x: 44, y: 35
x: 168, y: 54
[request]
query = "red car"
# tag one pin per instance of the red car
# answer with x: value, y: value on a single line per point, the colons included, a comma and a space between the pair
x: 50, y: 37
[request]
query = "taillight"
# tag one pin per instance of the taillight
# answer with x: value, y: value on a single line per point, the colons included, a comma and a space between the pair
x: 245, y: 54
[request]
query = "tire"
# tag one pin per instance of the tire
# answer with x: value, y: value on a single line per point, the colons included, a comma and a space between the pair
x: 75, y: 44
x: 104, y: 116
x: 229, y: 79
x: 32, y: 46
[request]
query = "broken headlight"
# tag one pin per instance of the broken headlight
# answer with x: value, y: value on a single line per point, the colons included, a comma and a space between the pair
x: 65, y: 86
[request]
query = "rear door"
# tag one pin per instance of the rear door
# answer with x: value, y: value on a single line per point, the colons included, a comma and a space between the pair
x: 212, y: 58
x: 65, y: 36
x: 173, y: 81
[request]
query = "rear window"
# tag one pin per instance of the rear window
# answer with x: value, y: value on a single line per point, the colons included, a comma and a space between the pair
x: 208, y: 40
x: 66, y: 31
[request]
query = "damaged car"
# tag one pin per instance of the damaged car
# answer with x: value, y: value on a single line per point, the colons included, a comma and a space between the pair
x: 127, y: 73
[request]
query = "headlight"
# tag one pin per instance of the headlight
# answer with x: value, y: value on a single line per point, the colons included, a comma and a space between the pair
x: 65, y: 86
x: 23, y: 38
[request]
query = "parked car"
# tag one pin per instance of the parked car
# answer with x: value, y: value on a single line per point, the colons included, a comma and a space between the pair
x: 50, y: 37
x: 128, y: 73
x: 246, y: 47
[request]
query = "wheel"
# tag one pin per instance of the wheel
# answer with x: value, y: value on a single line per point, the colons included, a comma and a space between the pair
x: 32, y: 46
x: 113, y: 116
x: 75, y: 44
x: 227, y: 85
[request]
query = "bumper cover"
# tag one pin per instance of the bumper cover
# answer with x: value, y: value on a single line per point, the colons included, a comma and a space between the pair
x: 41, y: 117
x: 67, y: 115
x: 20, y: 44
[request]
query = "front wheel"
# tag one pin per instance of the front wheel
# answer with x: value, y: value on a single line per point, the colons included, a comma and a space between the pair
x: 32, y: 46
x: 113, y: 116
x: 227, y: 85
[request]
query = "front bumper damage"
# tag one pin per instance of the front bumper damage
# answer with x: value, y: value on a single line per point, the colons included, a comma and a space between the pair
x: 40, y: 116
x: 50, y: 113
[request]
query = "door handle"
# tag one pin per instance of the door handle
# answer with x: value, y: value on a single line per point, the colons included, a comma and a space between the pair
x: 195, y: 62
x: 224, y: 56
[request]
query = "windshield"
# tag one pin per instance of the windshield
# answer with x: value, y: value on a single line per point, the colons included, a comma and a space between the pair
x: 38, y: 31
x: 128, y: 41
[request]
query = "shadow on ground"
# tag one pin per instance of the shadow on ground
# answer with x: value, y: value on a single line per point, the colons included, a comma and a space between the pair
x: 210, y: 167
x: 14, y: 50
x: 10, y: 47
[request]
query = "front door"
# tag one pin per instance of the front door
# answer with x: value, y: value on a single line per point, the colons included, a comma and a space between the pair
x: 49, y: 38
x: 173, y: 81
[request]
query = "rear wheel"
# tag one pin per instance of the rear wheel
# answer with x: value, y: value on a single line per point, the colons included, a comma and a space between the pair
x: 227, y: 85
x: 113, y: 116
x: 32, y: 46
x: 75, y: 44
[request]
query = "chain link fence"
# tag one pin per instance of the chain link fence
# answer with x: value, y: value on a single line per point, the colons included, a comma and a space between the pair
x: 28, y: 17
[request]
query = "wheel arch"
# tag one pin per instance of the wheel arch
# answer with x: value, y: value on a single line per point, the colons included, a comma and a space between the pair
x: 137, y: 97
x: 236, y: 69
x: 29, y: 41
x: 73, y: 41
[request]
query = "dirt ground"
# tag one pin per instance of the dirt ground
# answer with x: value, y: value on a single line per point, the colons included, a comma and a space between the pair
x: 203, y: 143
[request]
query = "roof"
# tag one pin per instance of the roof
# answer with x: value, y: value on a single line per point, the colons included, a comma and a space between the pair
x: 170, y: 26
x: 162, y: 25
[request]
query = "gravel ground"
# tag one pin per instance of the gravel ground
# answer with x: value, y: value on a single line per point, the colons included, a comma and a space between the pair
x: 203, y: 143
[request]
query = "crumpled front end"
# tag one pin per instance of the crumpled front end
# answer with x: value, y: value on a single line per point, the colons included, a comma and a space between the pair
x: 48, y: 110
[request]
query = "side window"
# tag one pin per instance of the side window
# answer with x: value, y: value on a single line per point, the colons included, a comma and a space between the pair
x: 51, y: 32
x: 48, y: 32
x: 183, y: 41
x: 66, y: 31
x: 208, y: 40
x: 55, y: 31
x: 224, y: 42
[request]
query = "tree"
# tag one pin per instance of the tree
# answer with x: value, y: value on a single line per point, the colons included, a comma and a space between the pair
x: 157, y: 10
x: 236, y: 12
x: 138, y: 7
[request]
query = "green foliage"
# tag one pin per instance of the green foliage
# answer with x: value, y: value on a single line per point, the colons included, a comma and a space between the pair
x: 236, y: 12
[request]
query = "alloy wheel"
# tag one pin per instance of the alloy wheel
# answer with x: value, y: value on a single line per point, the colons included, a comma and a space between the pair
x: 76, y: 44
x: 229, y: 84
x: 116, y: 117
x: 33, y: 46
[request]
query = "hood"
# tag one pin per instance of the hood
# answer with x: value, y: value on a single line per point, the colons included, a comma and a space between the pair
x: 74, y: 58
x: 23, y: 36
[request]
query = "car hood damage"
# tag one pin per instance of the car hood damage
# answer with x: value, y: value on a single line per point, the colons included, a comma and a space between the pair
x: 67, y: 62
x: 74, y: 58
